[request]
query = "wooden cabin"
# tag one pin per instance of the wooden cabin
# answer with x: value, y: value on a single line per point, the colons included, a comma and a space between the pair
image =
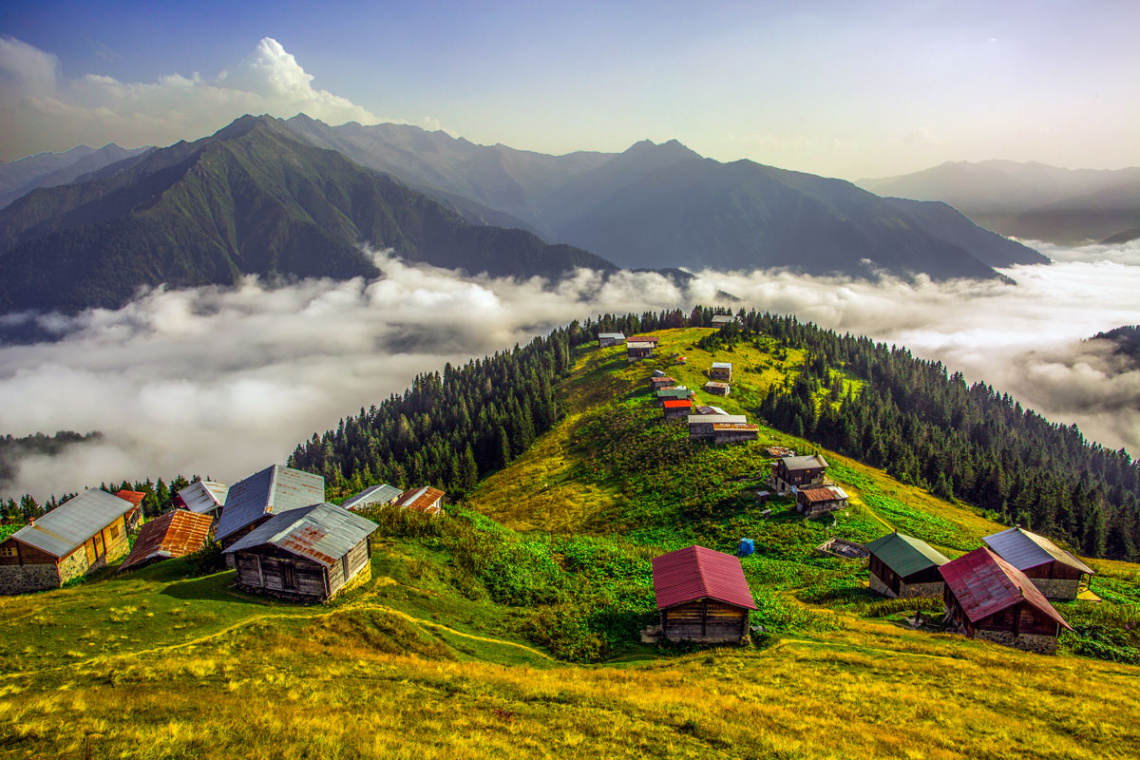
x: 720, y: 320
x: 677, y: 408
x: 903, y: 567
x: 274, y: 490
x: 721, y: 371
x: 703, y: 425
x: 427, y: 500
x: 988, y: 598
x: 134, y: 517
x: 309, y: 554
x: 735, y: 432
x: 382, y: 495
x: 83, y: 534
x: 639, y: 350
x: 1054, y: 571
x: 681, y: 392
x: 702, y: 595
x: 205, y: 497
x: 800, y: 472
x: 643, y: 339
x: 174, y: 534
x: 606, y: 340
x: 815, y: 501
x: 657, y: 382
x: 718, y: 389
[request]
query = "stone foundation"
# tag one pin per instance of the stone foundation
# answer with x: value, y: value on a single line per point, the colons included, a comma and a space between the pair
x: 1030, y: 642
x: 20, y: 579
x: 73, y: 566
x: 1057, y: 588
x: 881, y: 588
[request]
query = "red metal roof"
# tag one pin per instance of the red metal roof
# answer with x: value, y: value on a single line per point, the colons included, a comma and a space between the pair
x: 984, y: 584
x: 174, y: 534
x: 678, y: 404
x: 134, y: 497
x: 695, y: 572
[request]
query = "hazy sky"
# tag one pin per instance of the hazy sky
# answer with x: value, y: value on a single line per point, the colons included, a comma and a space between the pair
x: 847, y: 89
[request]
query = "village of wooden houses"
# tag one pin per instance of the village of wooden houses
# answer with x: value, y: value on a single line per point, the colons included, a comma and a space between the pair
x: 283, y: 539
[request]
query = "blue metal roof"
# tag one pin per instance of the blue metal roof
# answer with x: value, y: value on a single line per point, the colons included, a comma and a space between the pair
x: 68, y: 526
x: 322, y: 532
x: 274, y: 490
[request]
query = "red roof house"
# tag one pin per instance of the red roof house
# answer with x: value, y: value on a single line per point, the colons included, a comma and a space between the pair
x: 677, y: 408
x: 702, y: 595
x: 174, y: 534
x: 988, y: 598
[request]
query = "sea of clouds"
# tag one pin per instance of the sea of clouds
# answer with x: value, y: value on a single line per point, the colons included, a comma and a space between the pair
x: 221, y: 382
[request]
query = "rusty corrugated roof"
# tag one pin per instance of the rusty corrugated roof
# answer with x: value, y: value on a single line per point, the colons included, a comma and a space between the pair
x: 322, y: 532
x: 694, y: 573
x: 134, y: 497
x: 643, y: 339
x: 422, y: 500
x: 984, y: 584
x: 174, y: 534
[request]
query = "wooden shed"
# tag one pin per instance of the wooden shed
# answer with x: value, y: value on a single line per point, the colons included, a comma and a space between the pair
x: 308, y: 554
x: 814, y: 501
x: 381, y: 495
x: 704, y: 425
x: 81, y: 535
x: 426, y: 499
x: 677, y: 408
x: 717, y: 388
x: 904, y: 567
x: 174, y: 534
x: 1054, y: 571
x: 610, y: 339
x: 702, y: 595
x: 735, y: 432
x: 797, y: 471
x: 988, y: 598
x: 721, y: 371
x: 252, y: 501
x: 678, y: 392
x: 639, y: 349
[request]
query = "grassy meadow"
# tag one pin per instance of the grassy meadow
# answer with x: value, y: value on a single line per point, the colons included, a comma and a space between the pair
x: 508, y: 626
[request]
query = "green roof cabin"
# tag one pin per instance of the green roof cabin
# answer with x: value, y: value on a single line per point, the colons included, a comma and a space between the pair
x: 903, y: 567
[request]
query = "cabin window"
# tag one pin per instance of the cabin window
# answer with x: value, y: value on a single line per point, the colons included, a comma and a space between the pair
x: 288, y: 576
x: 114, y: 531
x: 8, y: 551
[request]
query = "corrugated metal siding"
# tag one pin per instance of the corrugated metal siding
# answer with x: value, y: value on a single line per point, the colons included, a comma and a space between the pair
x: 696, y: 573
x: 66, y: 528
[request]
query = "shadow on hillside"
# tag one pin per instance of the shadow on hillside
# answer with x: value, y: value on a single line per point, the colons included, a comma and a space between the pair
x: 216, y: 588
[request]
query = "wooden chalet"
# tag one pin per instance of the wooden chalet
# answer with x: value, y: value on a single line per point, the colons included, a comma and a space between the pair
x: 427, y: 500
x: 644, y: 339
x: 83, y: 534
x: 703, y: 425
x: 988, y: 598
x: 721, y: 371
x: 1054, y: 571
x: 677, y: 408
x: 639, y: 349
x: 815, y: 501
x: 657, y: 382
x: 174, y: 534
x: 134, y: 517
x: 735, y: 432
x: 679, y: 392
x: 274, y: 490
x: 702, y: 595
x: 606, y: 340
x: 382, y: 495
x: 718, y: 389
x: 309, y: 554
x: 903, y: 567
x: 800, y: 472
x: 205, y: 497
x: 720, y: 320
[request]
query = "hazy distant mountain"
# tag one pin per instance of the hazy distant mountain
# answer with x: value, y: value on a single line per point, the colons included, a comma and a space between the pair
x: 665, y: 206
x: 1126, y: 340
x: 249, y: 199
x: 1123, y: 237
x: 18, y: 178
x: 1028, y: 200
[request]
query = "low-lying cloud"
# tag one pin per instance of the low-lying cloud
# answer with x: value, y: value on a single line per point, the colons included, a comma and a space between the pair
x: 42, y: 109
x: 220, y: 382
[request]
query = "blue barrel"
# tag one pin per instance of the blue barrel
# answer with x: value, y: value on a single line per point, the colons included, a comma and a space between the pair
x: 746, y: 547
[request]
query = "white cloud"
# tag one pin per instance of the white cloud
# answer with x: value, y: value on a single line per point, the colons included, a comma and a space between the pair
x: 42, y: 110
x: 222, y: 382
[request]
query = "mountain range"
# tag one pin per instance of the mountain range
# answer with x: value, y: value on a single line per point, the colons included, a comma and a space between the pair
x: 1030, y: 200
x: 666, y: 206
x: 18, y: 178
x: 297, y: 198
x: 251, y: 199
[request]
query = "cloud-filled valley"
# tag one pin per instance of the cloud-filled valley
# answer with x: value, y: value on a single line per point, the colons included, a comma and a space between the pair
x: 219, y: 382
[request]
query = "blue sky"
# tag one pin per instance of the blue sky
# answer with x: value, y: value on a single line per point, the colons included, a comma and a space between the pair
x: 837, y: 88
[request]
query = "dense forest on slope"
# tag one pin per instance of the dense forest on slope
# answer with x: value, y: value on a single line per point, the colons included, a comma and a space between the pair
x: 1126, y: 339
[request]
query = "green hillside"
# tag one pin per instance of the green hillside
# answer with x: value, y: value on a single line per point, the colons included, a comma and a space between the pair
x: 508, y: 626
